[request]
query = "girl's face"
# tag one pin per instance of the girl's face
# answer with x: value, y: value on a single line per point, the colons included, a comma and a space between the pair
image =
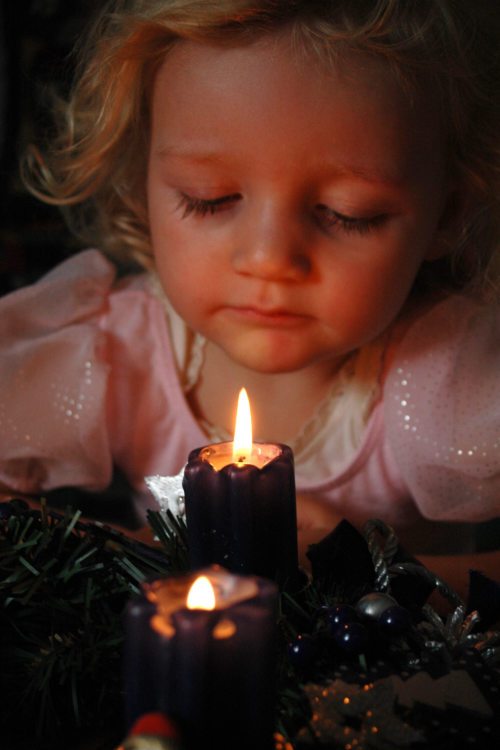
x: 291, y: 205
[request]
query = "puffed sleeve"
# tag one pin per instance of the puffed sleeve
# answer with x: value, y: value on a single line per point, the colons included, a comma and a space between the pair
x: 442, y: 410
x: 53, y: 375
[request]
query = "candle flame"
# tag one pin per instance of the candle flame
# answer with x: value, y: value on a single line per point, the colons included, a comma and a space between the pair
x: 242, y: 444
x: 201, y: 595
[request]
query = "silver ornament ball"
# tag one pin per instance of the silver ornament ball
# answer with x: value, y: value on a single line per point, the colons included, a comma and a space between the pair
x: 371, y: 606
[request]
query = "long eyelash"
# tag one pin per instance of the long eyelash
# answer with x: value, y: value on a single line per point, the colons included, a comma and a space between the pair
x: 202, y: 206
x: 350, y: 223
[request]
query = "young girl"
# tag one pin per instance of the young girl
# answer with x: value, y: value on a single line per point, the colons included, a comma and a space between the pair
x: 311, y: 191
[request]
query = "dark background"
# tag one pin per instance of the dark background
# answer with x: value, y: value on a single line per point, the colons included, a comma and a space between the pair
x: 36, y: 41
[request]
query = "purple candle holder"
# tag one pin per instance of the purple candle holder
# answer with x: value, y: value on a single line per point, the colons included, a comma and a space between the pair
x: 242, y: 515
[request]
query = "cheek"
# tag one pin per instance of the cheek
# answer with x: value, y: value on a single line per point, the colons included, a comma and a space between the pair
x: 181, y: 276
x: 186, y: 275
x: 369, y: 292
x: 172, y: 249
x: 187, y: 258
x: 167, y: 229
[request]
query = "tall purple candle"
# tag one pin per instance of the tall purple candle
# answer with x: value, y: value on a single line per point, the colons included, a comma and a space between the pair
x: 212, y: 671
x: 241, y: 509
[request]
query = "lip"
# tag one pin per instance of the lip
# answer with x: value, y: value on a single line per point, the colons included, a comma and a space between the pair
x: 274, y: 317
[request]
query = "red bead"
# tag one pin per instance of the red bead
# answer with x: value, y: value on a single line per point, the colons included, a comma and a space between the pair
x: 155, y: 723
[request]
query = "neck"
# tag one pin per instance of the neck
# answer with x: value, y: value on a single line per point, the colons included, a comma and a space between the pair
x: 281, y: 403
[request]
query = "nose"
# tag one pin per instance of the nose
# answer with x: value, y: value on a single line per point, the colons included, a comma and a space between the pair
x: 271, y: 246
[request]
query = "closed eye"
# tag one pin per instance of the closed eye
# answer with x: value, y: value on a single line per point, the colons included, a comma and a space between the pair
x: 203, y: 206
x: 333, y: 219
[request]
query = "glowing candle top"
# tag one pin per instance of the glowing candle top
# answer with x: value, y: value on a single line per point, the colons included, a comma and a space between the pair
x: 243, y: 439
x: 242, y: 451
x: 201, y: 595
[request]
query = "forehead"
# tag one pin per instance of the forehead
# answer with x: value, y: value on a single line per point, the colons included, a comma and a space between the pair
x: 210, y: 96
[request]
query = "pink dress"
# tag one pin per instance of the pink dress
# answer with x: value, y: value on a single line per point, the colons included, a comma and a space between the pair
x: 89, y: 377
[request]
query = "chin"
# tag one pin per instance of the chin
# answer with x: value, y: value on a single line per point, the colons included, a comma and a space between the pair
x: 273, y: 353
x: 269, y: 364
x: 272, y: 368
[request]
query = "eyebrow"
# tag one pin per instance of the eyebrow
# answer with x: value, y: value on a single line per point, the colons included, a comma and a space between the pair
x: 199, y: 157
x: 213, y: 156
x: 377, y: 176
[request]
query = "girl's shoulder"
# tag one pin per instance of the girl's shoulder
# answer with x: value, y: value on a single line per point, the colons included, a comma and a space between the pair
x: 80, y: 290
x: 442, y: 408
x: 455, y: 340
x: 71, y: 291
x: 57, y: 352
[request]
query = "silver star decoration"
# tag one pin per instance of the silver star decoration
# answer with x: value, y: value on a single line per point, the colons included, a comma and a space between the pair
x: 168, y: 492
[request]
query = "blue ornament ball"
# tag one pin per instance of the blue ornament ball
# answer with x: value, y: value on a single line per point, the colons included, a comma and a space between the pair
x: 340, y: 615
x: 302, y: 651
x: 6, y: 510
x: 394, y: 620
x: 351, y: 638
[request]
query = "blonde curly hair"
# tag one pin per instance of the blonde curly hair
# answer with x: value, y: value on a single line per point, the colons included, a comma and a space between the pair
x: 95, y: 167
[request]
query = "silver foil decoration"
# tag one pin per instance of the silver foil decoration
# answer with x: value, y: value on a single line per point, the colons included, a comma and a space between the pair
x: 168, y: 493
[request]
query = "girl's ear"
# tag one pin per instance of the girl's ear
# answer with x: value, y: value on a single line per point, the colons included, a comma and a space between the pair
x: 450, y: 223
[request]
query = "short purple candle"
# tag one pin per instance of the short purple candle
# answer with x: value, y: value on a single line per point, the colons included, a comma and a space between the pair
x: 212, y: 671
x: 242, y: 516
x: 240, y: 504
